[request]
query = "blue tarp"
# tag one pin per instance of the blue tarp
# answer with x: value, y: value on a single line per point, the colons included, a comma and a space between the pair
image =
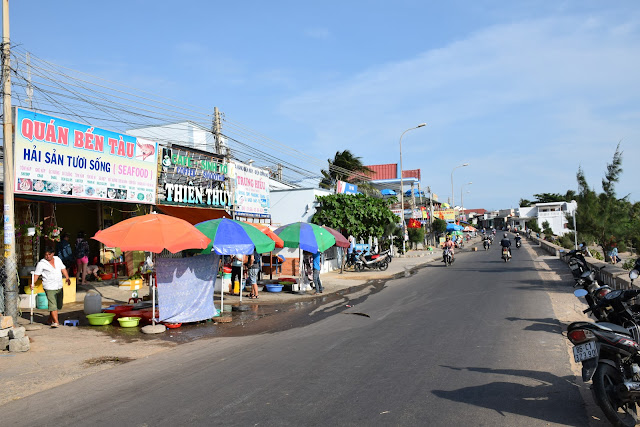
x: 387, y: 192
x: 185, y: 288
x: 454, y: 227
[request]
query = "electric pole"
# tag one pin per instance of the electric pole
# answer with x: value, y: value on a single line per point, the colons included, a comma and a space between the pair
x: 10, y: 268
x: 217, y: 128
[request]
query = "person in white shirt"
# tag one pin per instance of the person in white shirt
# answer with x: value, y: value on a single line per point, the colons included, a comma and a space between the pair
x: 51, y: 268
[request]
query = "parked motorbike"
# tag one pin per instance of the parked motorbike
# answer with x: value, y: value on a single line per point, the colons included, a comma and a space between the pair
x: 610, y: 355
x: 505, y: 254
x: 377, y: 261
x: 388, y: 254
x: 447, y: 257
x: 594, y: 288
x: 577, y: 263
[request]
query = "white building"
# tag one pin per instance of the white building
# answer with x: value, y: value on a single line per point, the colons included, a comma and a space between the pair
x: 555, y: 213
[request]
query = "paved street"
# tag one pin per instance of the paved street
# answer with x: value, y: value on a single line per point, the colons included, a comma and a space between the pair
x: 477, y: 343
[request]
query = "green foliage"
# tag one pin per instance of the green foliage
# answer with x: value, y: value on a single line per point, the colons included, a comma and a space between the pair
x: 597, y: 255
x: 416, y: 235
x: 603, y: 216
x: 533, y: 224
x: 548, y: 233
x: 341, y: 168
x: 439, y: 225
x: 525, y: 202
x: 567, y: 241
x: 356, y: 214
x: 629, y: 264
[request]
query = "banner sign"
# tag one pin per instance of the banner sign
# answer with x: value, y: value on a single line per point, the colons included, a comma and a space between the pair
x: 252, y: 191
x: 58, y: 158
x: 192, y: 178
x: 446, y: 214
x: 346, y: 188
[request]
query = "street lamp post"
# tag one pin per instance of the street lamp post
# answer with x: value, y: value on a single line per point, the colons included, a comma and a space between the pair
x: 453, y: 203
x: 461, y: 198
x: 402, y: 185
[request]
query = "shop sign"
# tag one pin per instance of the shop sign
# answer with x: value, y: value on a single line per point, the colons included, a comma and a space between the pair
x: 346, y: 188
x: 192, y: 178
x: 446, y: 214
x: 252, y: 191
x: 58, y: 158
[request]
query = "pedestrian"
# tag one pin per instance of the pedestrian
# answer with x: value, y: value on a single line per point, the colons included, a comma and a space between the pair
x: 317, y: 266
x: 82, y: 258
x: 51, y: 268
x: 351, y: 250
x: 64, y: 251
x: 252, y: 276
x: 236, y: 269
x: 613, y: 254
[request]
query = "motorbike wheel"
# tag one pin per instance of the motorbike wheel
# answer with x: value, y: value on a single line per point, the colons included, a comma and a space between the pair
x: 605, y: 381
x: 383, y: 265
x: 359, y: 267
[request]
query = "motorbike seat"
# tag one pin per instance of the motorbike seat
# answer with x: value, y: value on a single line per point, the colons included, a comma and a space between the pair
x: 375, y: 256
x: 612, y: 327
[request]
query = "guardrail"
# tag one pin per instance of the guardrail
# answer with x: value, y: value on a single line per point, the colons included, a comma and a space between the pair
x: 612, y: 275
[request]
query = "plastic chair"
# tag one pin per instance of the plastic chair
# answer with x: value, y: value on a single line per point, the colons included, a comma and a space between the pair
x: 71, y: 322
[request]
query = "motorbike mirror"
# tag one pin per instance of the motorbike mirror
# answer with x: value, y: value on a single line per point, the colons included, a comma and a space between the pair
x: 633, y: 274
x: 580, y: 293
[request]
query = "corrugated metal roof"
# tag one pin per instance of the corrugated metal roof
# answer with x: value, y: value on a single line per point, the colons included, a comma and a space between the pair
x: 412, y: 173
x: 386, y: 171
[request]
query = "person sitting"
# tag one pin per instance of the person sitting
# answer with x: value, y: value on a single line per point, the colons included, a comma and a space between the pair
x: 506, y: 243
x: 613, y: 254
x: 449, y: 245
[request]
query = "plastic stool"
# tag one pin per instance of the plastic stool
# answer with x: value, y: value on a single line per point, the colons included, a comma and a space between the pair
x: 71, y: 322
x: 135, y: 300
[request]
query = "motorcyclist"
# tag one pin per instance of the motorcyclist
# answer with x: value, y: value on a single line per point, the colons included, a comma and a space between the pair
x: 517, y: 239
x: 449, y: 244
x: 506, y: 243
x: 486, y: 239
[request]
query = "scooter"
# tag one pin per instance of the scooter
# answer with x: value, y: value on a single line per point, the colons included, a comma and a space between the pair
x: 375, y: 262
x: 505, y: 254
x: 447, y: 257
x: 610, y: 355
x: 518, y: 244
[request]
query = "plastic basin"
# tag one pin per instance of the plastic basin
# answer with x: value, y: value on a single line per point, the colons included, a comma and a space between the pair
x: 118, y: 309
x: 273, y: 288
x: 128, y: 322
x: 100, y: 319
x: 108, y: 276
x: 173, y: 325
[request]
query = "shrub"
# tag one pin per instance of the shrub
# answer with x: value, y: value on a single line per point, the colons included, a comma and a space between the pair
x: 597, y: 255
x: 629, y: 264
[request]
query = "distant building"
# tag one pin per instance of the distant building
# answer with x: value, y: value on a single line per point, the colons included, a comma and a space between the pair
x: 555, y: 213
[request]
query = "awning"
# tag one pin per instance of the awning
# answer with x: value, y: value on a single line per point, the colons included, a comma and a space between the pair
x: 193, y: 215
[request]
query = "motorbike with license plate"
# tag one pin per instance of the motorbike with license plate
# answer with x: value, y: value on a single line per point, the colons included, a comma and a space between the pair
x: 447, y: 257
x: 518, y: 242
x: 610, y: 354
x: 377, y: 261
x: 486, y: 243
x: 506, y: 256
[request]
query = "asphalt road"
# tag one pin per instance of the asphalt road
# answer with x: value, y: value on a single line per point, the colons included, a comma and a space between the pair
x: 471, y: 344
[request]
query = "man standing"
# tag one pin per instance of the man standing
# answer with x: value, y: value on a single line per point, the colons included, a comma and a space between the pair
x: 317, y: 266
x: 51, y: 268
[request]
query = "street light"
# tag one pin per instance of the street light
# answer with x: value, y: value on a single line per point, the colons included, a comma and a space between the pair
x: 402, y: 184
x: 461, y: 198
x: 453, y: 203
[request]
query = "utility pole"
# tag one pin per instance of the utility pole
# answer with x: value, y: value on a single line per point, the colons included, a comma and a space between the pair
x: 10, y: 268
x: 431, y: 214
x: 217, y: 128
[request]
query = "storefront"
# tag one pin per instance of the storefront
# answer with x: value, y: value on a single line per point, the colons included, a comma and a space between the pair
x: 71, y: 177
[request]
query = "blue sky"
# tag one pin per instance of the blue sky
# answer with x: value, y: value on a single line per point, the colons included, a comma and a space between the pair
x: 525, y: 92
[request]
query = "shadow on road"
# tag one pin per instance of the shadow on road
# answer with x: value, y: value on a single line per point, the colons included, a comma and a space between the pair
x: 552, y: 399
x: 545, y: 325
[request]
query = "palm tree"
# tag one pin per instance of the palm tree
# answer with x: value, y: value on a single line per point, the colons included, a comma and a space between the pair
x: 342, y: 168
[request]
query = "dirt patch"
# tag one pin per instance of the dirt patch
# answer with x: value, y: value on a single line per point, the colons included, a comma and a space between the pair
x: 107, y: 360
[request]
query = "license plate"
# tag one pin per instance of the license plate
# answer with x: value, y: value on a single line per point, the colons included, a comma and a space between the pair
x: 585, y: 351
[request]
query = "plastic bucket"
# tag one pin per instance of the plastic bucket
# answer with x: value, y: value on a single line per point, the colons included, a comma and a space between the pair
x: 41, y: 301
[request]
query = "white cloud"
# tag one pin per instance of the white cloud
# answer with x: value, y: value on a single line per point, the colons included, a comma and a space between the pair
x: 555, y: 92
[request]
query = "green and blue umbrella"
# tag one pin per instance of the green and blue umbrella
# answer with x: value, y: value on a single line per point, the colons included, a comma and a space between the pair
x: 230, y: 237
x: 308, y: 237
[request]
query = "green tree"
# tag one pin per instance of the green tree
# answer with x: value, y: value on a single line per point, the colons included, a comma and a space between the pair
x: 439, y: 226
x: 548, y: 233
x: 343, y: 166
x: 356, y: 214
x: 416, y: 235
x: 533, y: 224
x: 548, y: 197
x: 604, y: 217
x: 525, y: 202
